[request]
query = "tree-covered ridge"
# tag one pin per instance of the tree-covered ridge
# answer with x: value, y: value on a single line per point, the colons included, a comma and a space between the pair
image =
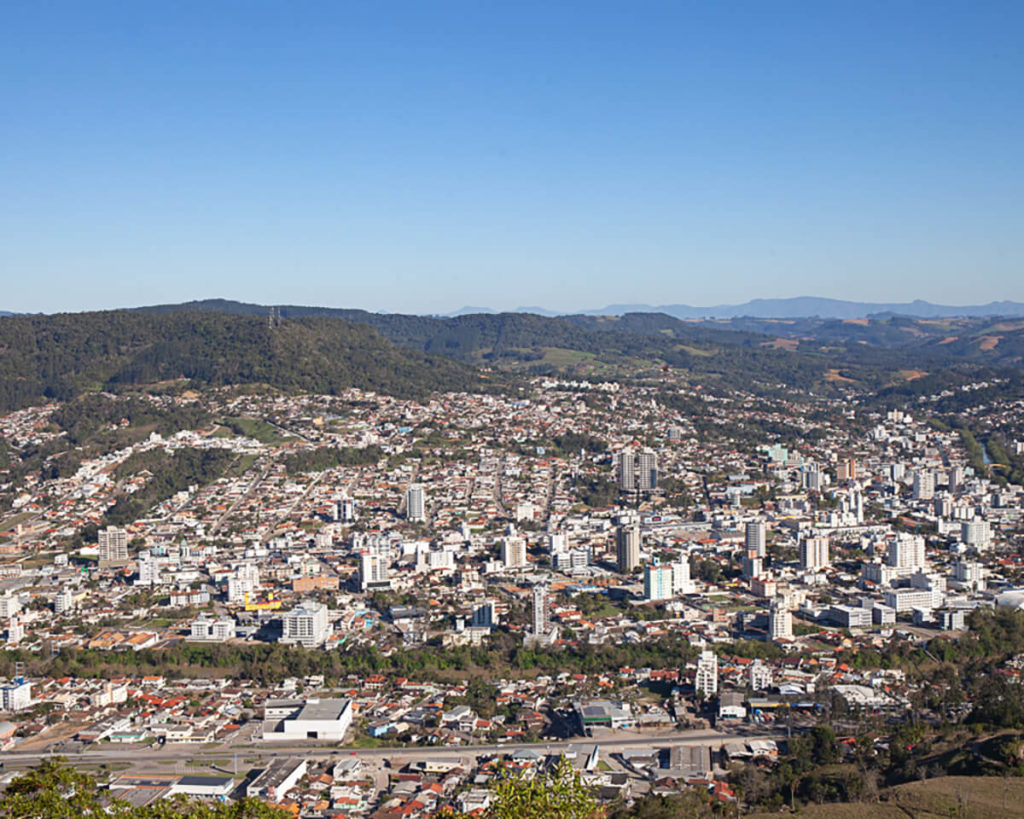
x: 825, y: 355
x: 61, y: 356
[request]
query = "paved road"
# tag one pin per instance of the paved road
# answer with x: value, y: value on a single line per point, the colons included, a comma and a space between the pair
x: 143, y: 757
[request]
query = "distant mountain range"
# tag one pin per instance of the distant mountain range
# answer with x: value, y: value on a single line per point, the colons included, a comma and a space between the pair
x: 795, y: 308
x: 799, y: 307
x: 322, y: 349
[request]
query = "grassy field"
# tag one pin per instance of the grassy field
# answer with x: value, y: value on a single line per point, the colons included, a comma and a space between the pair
x: 258, y: 430
x: 976, y: 797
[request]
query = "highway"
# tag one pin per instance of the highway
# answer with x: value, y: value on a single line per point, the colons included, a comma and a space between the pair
x: 143, y: 757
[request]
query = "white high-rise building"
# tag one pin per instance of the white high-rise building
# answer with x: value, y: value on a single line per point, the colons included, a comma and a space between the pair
x: 306, y: 625
x: 976, y: 533
x: 10, y: 605
x: 647, y: 471
x: 780, y: 624
x: 752, y: 565
x: 541, y: 613
x: 16, y: 695
x: 558, y: 542
x: 245, y: 580
x: 924, y: 485
x: 113, y: 547
x: 814, y: 553
x: 513, y: 552
x: 415, y: 504
x: 906, y: 553
x: 657, y: 581
x: 15, y: 632
x: 706, y: 680
x: 149, y: 570
x: 637, y: 471
x: 969, y: 572
x: 760, y: 676
x: 810, y: 478
x: 755, y: 538
x: 955, y: 478
x: 347, y: 509
x: 373, y: 572
x: 625, y: 468
x: 63, y: 602
x: 681, y: 582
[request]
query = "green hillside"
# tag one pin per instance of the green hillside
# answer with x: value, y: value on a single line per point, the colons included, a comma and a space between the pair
x: 61, y: 356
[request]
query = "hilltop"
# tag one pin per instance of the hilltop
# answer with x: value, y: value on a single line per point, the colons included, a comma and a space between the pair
x: 61, y: 356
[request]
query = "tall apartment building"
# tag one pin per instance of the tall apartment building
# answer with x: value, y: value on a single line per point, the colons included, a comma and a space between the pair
x: 637, y: 472
x: 245, y: 580
x: 810, y: 478
x: 647, y: 471
x: 373, y: 572
x: 63, y: 602
x: 681, y: 582
x: 513, y: 552
x: 10, y: 605
x: 814, y: 553
x: 113, y: 547
x: 924, y: 485
x: 755, y: 538
x: 541, y: 613
x: 906, y: 553
x: 16, y: 695
x: 760, y: 676
x: 780, y: 623
x: 149, y: 570
x: 627, y: 547
x: 415, y: 504
x: 483, y: 615
x: 976, y: 533
x: 306, y: 625
x: 706, y: 680
x: 658, y: 581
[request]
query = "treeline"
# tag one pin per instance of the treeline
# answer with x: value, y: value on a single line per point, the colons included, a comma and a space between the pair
x: 268, y: 664
x: 172, y: 473
x: 85, y: 417
x: 62, y: 356
x: 327, y: 457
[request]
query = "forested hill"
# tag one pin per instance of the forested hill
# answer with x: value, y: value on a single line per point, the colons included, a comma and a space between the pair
x: 870, y: 353
x: 60, y: 356
x: 510, y: 339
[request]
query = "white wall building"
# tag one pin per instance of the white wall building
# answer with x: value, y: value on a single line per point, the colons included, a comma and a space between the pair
x: 706, y: 680
x: 306, y: 625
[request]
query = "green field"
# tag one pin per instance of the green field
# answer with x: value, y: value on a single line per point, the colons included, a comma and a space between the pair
x: 257, y: 429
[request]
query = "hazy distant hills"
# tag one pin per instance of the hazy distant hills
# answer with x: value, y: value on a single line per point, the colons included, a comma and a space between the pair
x: 323, y: 349
x: 740, y: 351
x: 812, y: 307
x: 794, y: 308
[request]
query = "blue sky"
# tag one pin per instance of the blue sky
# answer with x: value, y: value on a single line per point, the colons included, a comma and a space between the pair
x: 420, y: 156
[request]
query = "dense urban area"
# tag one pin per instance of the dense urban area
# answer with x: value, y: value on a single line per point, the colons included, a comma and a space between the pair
x: 678, y: 596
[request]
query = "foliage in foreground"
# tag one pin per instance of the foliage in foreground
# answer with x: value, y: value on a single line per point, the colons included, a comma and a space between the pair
x: 559, y: 793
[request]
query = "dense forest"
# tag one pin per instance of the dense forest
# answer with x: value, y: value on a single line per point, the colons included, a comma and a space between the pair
x: 59, y: 357
x: 220, y: 343
x: 883, y: 353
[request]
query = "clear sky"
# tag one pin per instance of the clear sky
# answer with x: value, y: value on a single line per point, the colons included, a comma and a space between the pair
x: 421, y: 156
